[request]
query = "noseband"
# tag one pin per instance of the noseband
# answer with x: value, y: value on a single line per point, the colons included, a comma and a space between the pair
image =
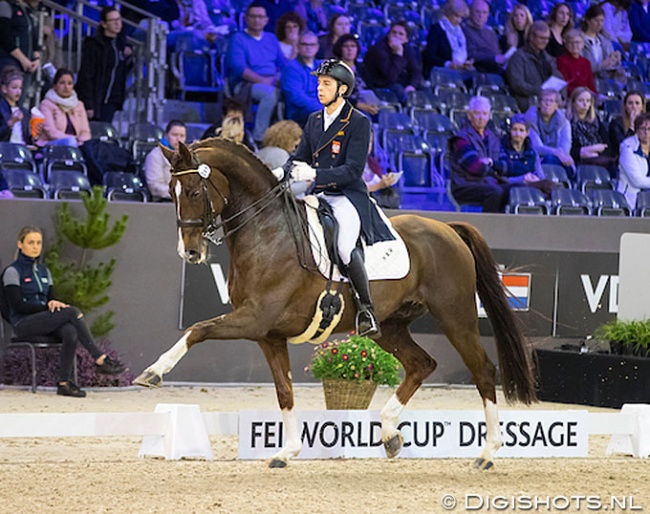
x: 208, y: 221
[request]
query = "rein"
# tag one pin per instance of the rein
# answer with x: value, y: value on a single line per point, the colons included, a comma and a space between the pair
x: 209, y: 219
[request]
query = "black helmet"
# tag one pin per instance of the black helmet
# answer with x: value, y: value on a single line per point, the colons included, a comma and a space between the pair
x: 338, y: 70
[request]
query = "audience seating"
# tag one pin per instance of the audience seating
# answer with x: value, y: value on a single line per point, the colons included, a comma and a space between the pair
x: 24, y: 183
x: 557, y: 174
x: 105, y: 132
x: 642, y: 208
x: 64, y: 158
x: 569, y: 202
x: 420, y: 175
x: 432, y: 122
x: 68, y: 185
x: 124, y: 187
x: 16, y: 156
x: 487, y: 82
x: 421, y: 99
x: 527, y: 200
x: 143, y: 137
x: 593, y: 177
x: 610, y: 88
x: 370, y: 32
x: 448, y: 78
x: 609, y: 203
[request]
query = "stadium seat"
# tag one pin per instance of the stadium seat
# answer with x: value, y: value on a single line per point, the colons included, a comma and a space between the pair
x: 642, y: 208
x: 419, y: 173
x: 370, y: 32
x: 557, y: 174
x: 489, y: 82
x: 197, y: 73
x: 421, y: 99
x: 143, y: 137
x: 526, y: 200
x: 395, y: 120
x: 448, y: 78
x: 569, y: 202
x: 610, y: 88
x: 455, y: 100
x: 16, y: 156
x: 124, y: 187
x: 65, y: 158
x: 105, y: 132
x: 24, y: 184
x: 388, y: 98
x: 593, y: 177
x: 611, y: 108
x: 432, y: 122
x: 609, y: 203
x: 68, y: 185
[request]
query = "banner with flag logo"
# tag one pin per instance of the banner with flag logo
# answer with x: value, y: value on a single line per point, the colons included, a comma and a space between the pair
x: 517, y: 289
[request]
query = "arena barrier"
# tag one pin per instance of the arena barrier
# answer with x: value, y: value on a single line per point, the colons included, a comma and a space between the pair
x: 176, y: 431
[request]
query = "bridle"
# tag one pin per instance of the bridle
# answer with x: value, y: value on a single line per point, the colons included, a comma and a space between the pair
x: 208, y: 221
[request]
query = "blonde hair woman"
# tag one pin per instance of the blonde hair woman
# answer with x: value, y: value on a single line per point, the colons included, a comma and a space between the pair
x: 280, y: 139
x: 517, y: 27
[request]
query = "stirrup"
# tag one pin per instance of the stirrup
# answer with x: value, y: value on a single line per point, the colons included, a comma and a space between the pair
x: 366, y: 324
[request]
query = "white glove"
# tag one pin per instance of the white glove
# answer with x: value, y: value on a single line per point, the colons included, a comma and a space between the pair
x: 279, y: 173
x: 301, y: 172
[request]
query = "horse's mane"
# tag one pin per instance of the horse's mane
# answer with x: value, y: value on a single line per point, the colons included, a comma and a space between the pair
x: 239, y: 150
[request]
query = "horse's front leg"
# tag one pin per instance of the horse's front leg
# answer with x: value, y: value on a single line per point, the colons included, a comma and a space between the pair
x: 277, y: 355
x: 239, y: 324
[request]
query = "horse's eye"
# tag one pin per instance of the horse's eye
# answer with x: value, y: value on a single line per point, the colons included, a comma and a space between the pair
x: 194, y: 194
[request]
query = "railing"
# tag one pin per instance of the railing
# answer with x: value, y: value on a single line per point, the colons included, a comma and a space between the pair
x: 145, y: 93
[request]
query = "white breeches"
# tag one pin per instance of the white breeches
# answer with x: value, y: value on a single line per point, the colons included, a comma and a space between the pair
x: 349, y: 224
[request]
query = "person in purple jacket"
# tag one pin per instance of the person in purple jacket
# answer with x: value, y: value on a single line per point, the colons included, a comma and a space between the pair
x: 254, y: 61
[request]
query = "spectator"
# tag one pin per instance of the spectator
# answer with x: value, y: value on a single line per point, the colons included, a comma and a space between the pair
x: 530, y: 66
x: 589, y: 139
x: 634, y: 172
x: 280, y: 140
x: 254, y: 60
x: 299, y: 86
x: 575, y: 68
x: 482, y: 42
x: 5, y: 192
x: 288, y: 30
x: 157, y: 169
x: 15, y: 125
x: 66, y: 121
x: 520, y: 162
x: 314, y: 12
x: 639, y: 16
x: 339, y: 25
x: 235, y: 130
x: 617, y: 22
x: 622, y: 127
x: 379, y: 179
x: 275, y: 9
x: 550, y: 131
x: 19, y: 40
x: 393, y: 64
x: 193, y: 21
x: 519, y: 22
x: 560, y: 21
x: 446, y: 42
x: 475, y: 167
x: 105, y: 60
x: 33, y: 311
x: 605, y: 61
x: 347, y: 49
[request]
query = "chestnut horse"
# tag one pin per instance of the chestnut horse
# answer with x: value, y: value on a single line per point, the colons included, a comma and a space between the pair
x: 273, y: 288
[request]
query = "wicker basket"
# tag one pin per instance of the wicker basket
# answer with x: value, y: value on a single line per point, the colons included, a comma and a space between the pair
x: 348, y: 394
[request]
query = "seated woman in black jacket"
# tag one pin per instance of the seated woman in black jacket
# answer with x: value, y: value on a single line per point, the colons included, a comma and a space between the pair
x: 622, y: 126
x: 14, y: 119
x: 33, y: 311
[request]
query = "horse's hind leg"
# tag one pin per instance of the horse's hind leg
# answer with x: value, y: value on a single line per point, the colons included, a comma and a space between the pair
x: 418, y: 365
x: 461, y: 328
x: 277, y: 355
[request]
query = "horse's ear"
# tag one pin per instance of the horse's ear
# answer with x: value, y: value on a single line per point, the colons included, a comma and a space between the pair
x: 184, y: 152
x: 166, y: 152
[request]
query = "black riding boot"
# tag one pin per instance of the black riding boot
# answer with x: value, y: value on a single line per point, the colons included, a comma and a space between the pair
x: 366, y: 323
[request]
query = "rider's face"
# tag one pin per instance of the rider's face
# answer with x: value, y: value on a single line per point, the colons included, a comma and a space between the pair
x: 326, y: 89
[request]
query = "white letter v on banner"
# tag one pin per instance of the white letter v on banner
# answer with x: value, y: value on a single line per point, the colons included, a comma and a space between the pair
x: 221, y: 283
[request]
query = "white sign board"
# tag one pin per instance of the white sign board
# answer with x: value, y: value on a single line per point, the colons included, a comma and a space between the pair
x: 427, y: 434
x: 634, y: 273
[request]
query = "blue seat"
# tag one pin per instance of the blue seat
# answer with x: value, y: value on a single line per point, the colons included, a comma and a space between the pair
x: 419, y: 173
x: 609, y: 203
x: 642, y: 208
x: 395, y: 120
x: 448, y: 78
x: 569, y: 202
x: 124, y: 187
x: 197, y: 73
x: 454, y: 101
x: 421, y: 99
x: 105, y: 132
x: 593, y: 177
x: 489, y: 82
x: 24, y: 183
x: 69, y: 185
x: 610, y: 88
x: 430, y: 122
x: 527, y: 200
x: 143, y: 137
x: 388, y: 98
x: 557, y: 174
x: 16, y: 156
x: 64, y: 158
x: 370, y: 32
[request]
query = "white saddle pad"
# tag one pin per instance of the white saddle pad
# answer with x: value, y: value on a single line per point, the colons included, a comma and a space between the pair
x: 385, y: 260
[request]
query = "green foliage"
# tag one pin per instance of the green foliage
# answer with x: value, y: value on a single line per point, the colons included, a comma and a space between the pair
x: 635, y: 335
x: 356, y: 358
x: 78, y: 283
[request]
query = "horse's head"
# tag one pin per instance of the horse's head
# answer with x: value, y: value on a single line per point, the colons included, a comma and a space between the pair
x: 200, y: 193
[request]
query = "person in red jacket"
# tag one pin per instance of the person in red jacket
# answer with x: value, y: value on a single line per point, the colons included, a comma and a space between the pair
x: 575, y: 69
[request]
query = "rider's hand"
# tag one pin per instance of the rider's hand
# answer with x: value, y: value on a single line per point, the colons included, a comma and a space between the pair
x: 301, y: 172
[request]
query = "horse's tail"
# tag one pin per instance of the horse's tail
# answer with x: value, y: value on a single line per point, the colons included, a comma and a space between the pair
x: 515, y: 360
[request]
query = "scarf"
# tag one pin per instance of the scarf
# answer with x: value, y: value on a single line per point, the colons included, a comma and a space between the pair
x: 586, y: 133
x: 457, y: 41
x: 548, y: 132
x: 67, y: 105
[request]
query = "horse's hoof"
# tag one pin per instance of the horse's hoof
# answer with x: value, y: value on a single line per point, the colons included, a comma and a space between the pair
x: 148, y: 379
x: 394, y: 445
x: 278, y: 463
x: 483, y: 464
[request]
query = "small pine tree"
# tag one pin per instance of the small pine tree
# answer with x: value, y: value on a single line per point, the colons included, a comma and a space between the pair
x: 79, y: 283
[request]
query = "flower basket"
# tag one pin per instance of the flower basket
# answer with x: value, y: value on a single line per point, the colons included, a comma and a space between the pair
x: 348, y: 395
x: 350, y: 371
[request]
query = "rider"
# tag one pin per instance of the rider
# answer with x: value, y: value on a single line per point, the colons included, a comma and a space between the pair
x: 332, y: 153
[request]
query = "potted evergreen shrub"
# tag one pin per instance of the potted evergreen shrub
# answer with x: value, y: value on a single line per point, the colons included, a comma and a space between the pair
x: 351, y: 369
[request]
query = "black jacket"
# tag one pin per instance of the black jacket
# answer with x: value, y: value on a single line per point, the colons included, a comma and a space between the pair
x: 5, y: 116
x: 339, y: 156
x: 438, y: 50
x: 17, y: 30
x: 102, y: 74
